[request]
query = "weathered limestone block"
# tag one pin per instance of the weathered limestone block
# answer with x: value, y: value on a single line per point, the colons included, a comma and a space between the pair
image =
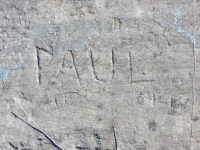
x: 99, y: 75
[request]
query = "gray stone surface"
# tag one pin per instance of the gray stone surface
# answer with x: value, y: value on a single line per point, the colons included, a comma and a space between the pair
x: 99, y: 74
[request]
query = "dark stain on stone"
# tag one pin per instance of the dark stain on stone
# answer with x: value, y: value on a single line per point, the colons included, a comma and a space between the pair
x: 85, y: 148
x: 39, y: 139
x: 97, y: 136
x: 195, y: 118
x: 172, y: 112
x: 174, y: 103
x: 152, y: 126
x: 153, y: 9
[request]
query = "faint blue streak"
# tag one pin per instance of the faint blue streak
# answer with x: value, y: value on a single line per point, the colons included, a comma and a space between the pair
x: 178, y: 14
x: 20, y: 64
x: 51, y: 32
x: 191, y: 38
x: 4, y: 73
x: 175, y: 22
x: 19, y: 42
x: 27, y: 47
x: 44, y: 30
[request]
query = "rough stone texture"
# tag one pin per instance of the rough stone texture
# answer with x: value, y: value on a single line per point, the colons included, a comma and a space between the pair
x: 99, y: 74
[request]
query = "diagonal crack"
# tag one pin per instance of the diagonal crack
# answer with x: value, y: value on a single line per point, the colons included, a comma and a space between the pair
x: 40, y: 131
x: 13, y: 146
x: 122, y: 138
x: 115, y: 138
x: 193, y: 79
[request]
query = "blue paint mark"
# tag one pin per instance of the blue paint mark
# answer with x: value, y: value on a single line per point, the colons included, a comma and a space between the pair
x: 51, y: 47
x: 4, y: 73
x: 191, y: 38
x: 44, y: 30
x: 51, y: 32
x: 86, y: 44
x: 20, y: 64
x: 127, y: 13
x: 19, y: 42
x: 177, y: 16
x: 56, y: 26
x: 21, y: 35
x: 27, y: 47
x: 175, y: 22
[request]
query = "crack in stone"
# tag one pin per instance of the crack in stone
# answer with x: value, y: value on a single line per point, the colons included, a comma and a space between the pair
x: 40, y: 131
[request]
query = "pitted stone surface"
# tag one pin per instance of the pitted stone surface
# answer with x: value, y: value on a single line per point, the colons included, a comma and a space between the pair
x: 99, y: 75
